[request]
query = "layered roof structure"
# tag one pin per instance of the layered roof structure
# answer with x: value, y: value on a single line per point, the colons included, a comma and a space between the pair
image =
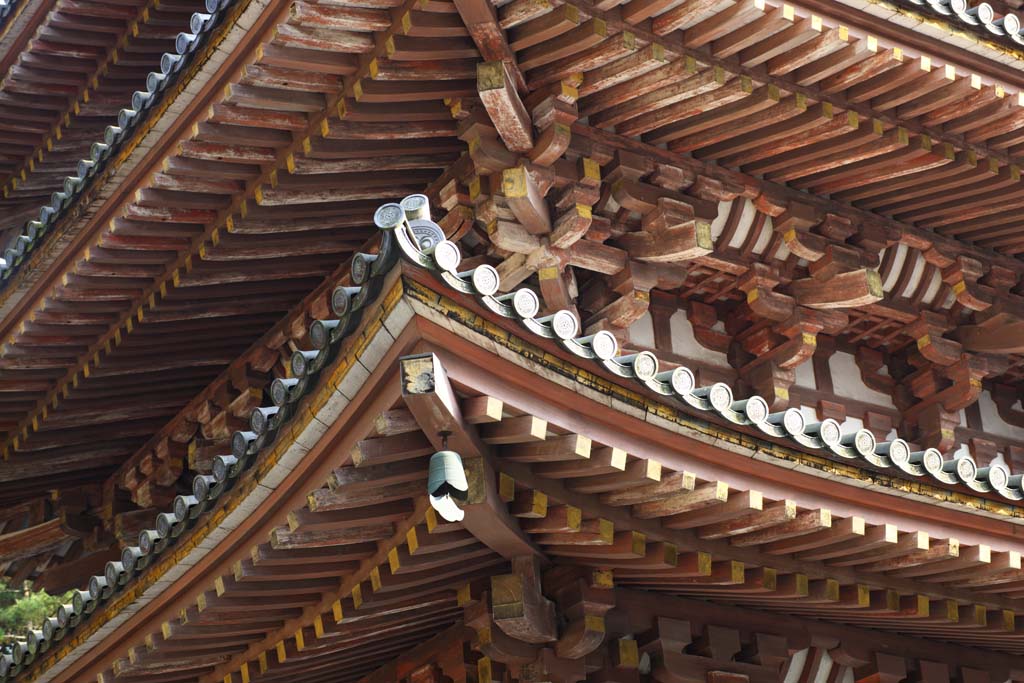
x: 718, y: 303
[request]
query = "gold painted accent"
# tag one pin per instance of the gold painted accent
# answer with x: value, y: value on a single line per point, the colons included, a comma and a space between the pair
x: 375, y: 579
x: 506, y: 488
x: 357, y: 595
x: 629, y: 653
x: 336, y: 612
x: 513, y: 182
x: 638, y: 543
x: 573, y: 517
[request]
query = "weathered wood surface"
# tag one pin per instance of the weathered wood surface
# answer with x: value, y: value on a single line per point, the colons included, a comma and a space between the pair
x: 344, y: 107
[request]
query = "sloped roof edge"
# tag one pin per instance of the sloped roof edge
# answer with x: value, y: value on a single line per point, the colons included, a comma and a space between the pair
x: 854, y: 445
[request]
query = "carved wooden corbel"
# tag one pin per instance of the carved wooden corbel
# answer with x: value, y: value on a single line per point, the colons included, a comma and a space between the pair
x: 549, y: 668
x: 497, y: 91
x: 555, y: 288
x: 703, y: 318
x: 519, y: 608
x: 962, y: 276
x: 999, y: 329
x: 936, y: 428
x: 617, y: 301
x: 927, y: 331
x: 584, y: 605
x: 758, y: 283
x: 677, y: 657
x: 621, y: 662
x: 771, y: 382
x: 554, y: 111
x: 491, y: 640
x: 715, y: 189
x: 488, y: 152
x: 1006, y: 399
x: 670, y: 233
x: 794, y: 225
x: 836, y: 259
x: 774, y: 335
x: 523, y: 192
x: 870, y: 363
x: 850, y: 289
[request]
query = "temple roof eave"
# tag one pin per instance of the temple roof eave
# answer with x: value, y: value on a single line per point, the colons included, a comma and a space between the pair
x: 406, y: 305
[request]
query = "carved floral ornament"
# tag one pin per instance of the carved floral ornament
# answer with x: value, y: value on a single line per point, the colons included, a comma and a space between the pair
x: 483, y: 282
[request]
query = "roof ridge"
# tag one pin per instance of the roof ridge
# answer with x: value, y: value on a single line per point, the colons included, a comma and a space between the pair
x: 34, y: 232
x: 980, y: 19
x: 828, y: 435
x: 368, y: 273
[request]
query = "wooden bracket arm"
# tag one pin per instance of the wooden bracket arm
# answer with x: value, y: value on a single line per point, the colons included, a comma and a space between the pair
x: 793, y: 225
x: 518, y: 607
x: 497, y: 90
x: 492, y: 641
x: 963, y: 276
x: 846, y: 290
x: 999, y: 329
x: 1005, y: 397
x: 585, y: 606
x: 927, y: 330
x: 703, y: 318
x: 870, y: 361
x: 525, y: 197
x: 431, y: 399
x: 761, y: 299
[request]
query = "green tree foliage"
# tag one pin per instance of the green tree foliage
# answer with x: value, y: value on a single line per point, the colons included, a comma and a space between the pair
x: 22, y: 608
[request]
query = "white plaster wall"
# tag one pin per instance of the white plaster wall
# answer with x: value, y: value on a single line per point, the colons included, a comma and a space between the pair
x: 685, y: 344
x: 847, y: 382
x: 805, y: 375
x: 992, y: 423
x: 641, y: 332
